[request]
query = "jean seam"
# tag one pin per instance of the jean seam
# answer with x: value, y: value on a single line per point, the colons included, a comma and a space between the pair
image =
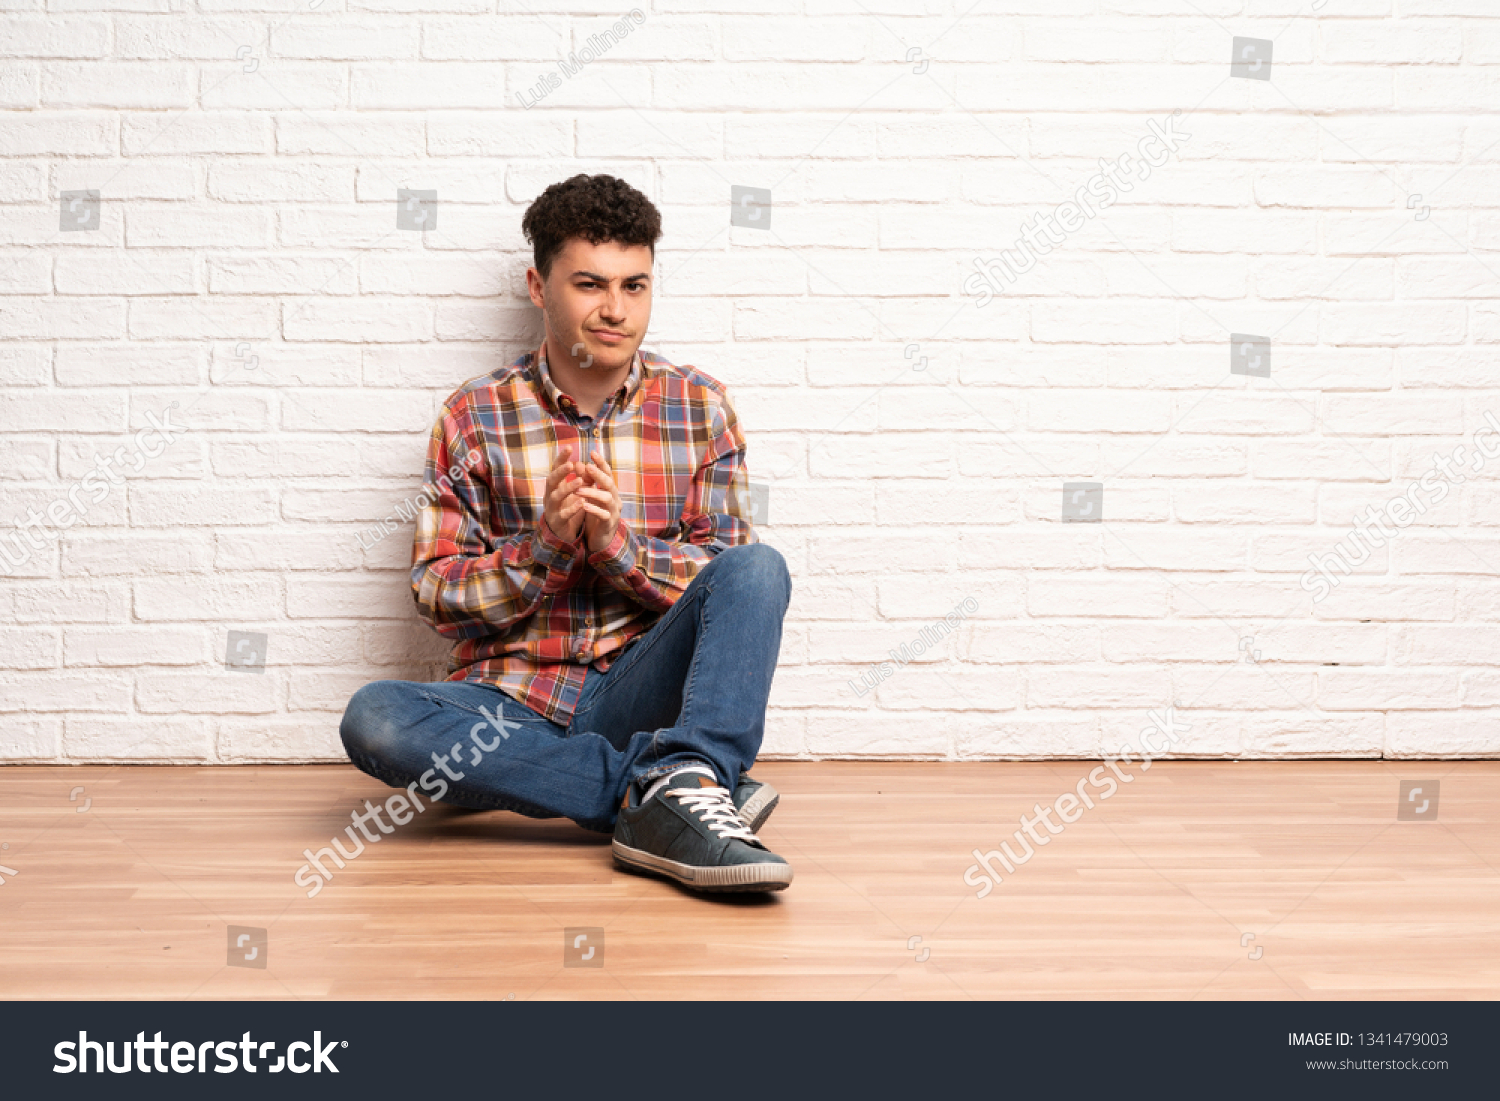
x: 658, y: 770
x: 687, y: 681
x: 444, y: 701
x: 644, y: 647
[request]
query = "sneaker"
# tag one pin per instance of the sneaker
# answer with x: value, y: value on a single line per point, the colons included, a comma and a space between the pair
x: 690, y: 831
x: 755, y: 801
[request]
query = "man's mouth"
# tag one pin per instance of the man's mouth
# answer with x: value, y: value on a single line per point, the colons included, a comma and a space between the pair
x: 609, y: 336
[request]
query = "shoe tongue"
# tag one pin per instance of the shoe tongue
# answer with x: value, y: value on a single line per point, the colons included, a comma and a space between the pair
x: 693, y: 779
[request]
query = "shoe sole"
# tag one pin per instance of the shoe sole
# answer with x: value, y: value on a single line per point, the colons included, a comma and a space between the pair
x: 759, y: 806
x: 728, y: 877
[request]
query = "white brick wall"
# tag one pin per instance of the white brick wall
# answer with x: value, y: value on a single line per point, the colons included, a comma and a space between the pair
x: 1348, y: 208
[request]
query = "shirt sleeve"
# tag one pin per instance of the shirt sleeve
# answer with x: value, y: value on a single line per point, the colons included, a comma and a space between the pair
x: 715, y: 516
x: 469, y: 577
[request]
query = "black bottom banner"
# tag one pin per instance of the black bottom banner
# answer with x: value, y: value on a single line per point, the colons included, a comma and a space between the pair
x: 825, y: 1049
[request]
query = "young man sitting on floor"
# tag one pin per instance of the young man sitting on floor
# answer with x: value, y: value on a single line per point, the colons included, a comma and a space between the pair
x: 589, y: 549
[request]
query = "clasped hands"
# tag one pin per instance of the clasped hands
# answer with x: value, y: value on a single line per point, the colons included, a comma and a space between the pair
x: 582, y: 497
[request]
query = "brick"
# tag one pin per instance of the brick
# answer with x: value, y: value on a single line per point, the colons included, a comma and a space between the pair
x: 32, y: 740
x: 340, y: 39
x: 1426, y: 734
x: 1303, y: 735
x: 52, y: 691
x: 1386, y: 690
x: 1089, y: 688
x: 341, y: 134
x: 132, y: 646
x: 29, y: 647
x: 1424, y: 414
x: 117, y: 85
x: 194, y: 132
x: 225, y: 691
x: 1102, y: 595
x: 28, y: 318
x: 184, y: 37
x: 1023, y: 643
x: 311, y: 85
x: 311, y: 739
x: 141, y: 738
x: 70, y: 602
x: 164, y: 505
x: 24, y: 365
x: 136, y: 553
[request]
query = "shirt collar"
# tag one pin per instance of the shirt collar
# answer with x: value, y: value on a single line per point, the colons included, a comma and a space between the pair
x: 559, y: 400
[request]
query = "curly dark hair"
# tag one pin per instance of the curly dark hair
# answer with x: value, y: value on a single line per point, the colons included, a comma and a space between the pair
x: 596, y: 208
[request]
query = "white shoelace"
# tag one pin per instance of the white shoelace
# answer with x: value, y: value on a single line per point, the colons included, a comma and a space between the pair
x: 716, y: 807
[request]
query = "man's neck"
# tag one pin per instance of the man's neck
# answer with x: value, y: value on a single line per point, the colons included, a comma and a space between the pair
x: 589, y: 387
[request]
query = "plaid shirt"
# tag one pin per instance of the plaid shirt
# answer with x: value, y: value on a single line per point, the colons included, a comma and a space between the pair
x: 531, y: 613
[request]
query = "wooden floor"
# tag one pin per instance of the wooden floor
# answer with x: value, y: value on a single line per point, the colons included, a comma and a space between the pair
x: 1148, y: 895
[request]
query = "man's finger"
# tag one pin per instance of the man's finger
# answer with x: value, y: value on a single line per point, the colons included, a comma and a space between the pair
x: 560, y: 468
x: 602, y: 477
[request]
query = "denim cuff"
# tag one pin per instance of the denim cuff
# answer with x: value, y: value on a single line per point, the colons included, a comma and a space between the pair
x: 656, y: 772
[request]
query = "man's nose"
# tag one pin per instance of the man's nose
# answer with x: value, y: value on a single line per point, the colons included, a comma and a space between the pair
x: 614, y: 305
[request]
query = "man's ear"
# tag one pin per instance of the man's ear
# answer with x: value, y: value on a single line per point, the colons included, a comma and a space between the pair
x: 536, y: 287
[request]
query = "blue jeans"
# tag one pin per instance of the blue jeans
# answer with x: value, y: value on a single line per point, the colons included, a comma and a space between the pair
x: 692, y: 688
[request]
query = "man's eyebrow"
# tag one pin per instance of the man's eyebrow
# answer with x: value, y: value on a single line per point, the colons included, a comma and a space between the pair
x: 605, y: 279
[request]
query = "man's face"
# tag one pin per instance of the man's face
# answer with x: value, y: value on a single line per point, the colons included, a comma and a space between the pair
x: 596, y: 300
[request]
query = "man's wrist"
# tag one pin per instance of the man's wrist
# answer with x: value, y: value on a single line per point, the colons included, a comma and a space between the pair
x: 598, y: 544
x: 617, y: 556
x: 556, y: 552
